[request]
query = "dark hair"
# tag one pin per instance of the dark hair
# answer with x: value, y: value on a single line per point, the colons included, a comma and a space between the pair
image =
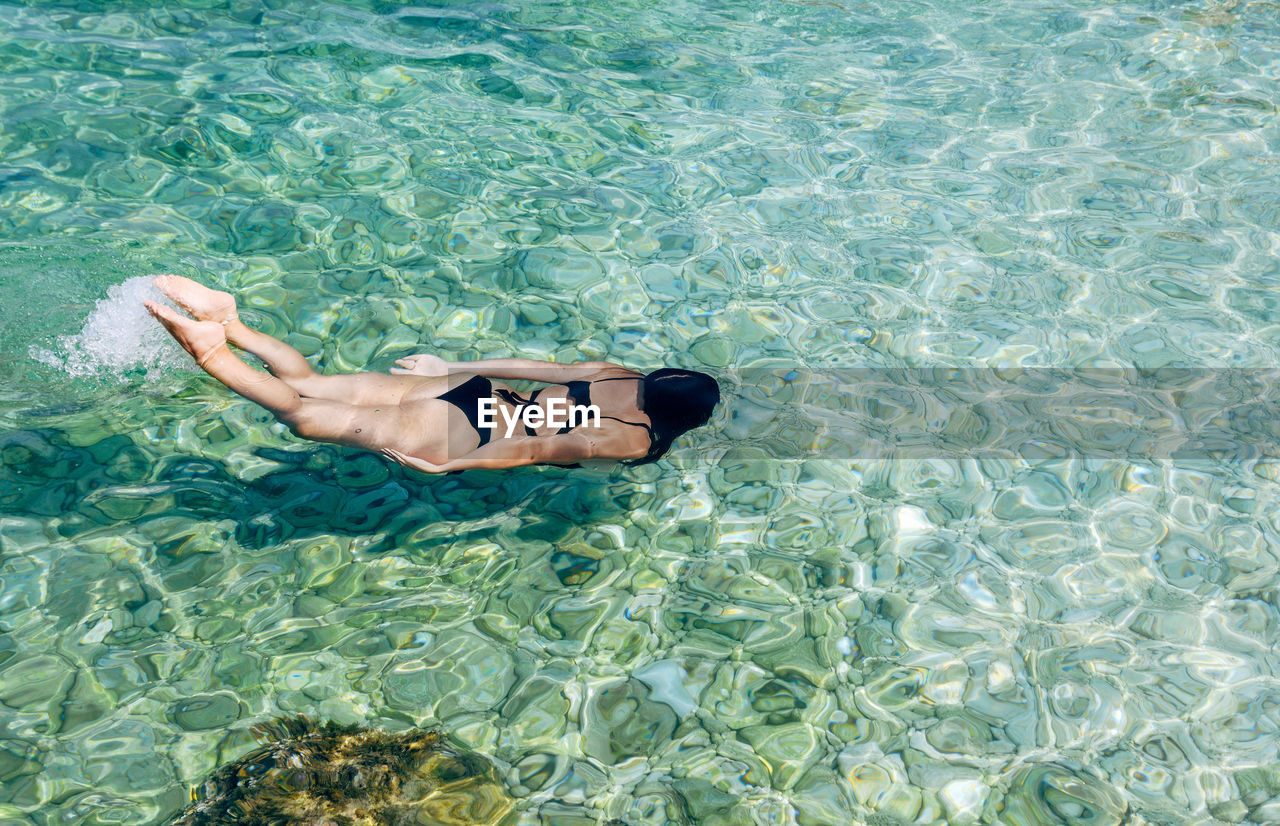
x: 675, y: 401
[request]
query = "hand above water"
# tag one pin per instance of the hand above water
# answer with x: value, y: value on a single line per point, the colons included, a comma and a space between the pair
x: 423, y: 364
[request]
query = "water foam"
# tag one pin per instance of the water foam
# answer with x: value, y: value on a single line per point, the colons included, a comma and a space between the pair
x: 118, y: 338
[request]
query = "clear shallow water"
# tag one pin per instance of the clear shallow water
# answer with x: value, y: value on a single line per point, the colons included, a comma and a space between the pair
x: 736, y: 635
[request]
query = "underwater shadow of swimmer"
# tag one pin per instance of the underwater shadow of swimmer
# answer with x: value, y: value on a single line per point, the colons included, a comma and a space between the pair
x: 323, y: 491
x: 324, y: 774
x: 341, y: 492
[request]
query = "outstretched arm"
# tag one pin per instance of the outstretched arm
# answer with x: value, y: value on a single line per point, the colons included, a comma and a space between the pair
x: 543, y: 371
x: 565, y: 448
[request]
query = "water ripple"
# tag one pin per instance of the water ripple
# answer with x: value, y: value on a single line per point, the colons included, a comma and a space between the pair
x: 749, y: 632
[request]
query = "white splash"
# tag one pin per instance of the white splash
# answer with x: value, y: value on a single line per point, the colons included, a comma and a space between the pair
x: 118, y: 337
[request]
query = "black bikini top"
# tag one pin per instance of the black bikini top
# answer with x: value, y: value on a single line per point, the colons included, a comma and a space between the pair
x: 579, y: 394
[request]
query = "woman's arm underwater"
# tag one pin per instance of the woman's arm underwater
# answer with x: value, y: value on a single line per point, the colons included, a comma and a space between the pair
x: 549, y: 372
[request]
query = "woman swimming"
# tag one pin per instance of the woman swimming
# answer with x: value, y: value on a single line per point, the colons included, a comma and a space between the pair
x: 437, y: 417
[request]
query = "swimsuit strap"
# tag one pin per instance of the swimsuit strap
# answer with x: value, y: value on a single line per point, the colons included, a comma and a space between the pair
x: 514, y: 399
x: 579, y: 392
x: 586, y: 385
x: 653, y: 437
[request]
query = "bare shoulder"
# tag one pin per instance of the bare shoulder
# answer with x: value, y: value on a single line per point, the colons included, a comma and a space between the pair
x: 608, y: 370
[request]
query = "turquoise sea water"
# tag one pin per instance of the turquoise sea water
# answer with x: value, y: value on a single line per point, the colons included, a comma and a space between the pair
x: 746, y: 632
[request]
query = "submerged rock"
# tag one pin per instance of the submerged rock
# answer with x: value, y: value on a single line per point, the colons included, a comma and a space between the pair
x: 327, y: 774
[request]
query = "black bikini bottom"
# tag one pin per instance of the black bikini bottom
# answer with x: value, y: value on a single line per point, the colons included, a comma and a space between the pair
x: 466, y: 397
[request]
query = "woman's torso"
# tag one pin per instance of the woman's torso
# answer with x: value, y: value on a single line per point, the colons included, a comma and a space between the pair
x: 603, y: 409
